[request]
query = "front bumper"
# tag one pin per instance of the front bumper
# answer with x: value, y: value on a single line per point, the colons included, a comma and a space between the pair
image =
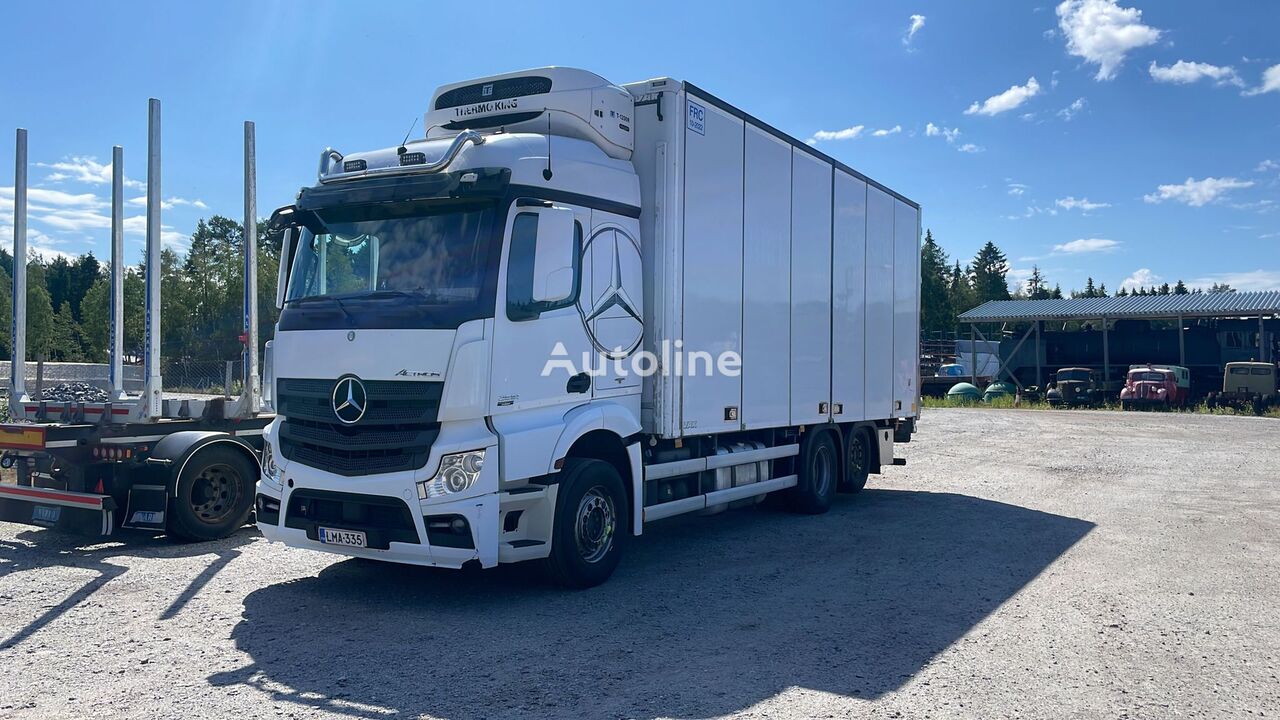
x: 383, y: 496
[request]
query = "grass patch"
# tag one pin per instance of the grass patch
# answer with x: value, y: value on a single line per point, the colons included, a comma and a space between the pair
x: 1007, y: 402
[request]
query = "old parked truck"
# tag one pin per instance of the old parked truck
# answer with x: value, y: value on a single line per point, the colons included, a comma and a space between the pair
x: 1247, y: 386
x: 1074, y: 387
x: 1152, y: 386
x: 496, y: 341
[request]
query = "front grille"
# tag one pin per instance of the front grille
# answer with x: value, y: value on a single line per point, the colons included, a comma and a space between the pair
x: 498, y: 90
x: 396, y: 432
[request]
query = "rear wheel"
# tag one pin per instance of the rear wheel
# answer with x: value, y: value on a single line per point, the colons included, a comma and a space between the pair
x: 859, y: 459
x: 214, y: 494
x: 816, y: 485
x: 590, y: 526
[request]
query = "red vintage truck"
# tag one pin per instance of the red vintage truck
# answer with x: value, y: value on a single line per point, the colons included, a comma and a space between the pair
x: 1164, y: 386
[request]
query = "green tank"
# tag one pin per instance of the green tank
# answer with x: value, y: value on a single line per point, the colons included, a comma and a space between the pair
x: 998, y: 389
x: 963, y: 392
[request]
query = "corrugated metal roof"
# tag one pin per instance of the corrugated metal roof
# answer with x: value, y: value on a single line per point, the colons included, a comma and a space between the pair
x: 1226, y: 304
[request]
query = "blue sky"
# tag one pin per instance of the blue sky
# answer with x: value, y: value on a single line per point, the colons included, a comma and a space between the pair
x: 1147, y: 147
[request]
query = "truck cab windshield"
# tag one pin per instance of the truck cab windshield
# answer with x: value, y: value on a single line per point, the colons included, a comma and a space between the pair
x: 379, y: 263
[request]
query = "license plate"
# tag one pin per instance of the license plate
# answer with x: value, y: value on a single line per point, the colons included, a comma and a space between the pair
x: 45, y: 514
x: 350, y: 538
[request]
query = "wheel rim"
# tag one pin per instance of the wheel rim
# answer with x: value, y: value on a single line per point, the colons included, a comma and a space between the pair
x: 858, y: 455
x: 595, y: 524
x: 215, y: 493
x: 822, y: 469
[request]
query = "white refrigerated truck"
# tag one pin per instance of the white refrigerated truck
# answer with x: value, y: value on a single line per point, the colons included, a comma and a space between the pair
x: 575, y: 308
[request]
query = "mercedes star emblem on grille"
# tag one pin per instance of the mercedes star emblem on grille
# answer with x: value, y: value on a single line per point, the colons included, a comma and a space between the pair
x: 349, y: 400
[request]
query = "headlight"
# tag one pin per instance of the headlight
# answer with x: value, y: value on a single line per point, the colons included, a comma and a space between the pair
x: 457, y: 473
x: 270, y: 470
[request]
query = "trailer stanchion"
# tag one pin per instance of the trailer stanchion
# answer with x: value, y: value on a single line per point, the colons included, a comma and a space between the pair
x: 152, y: 402
x: 250, y: 394
x: 18, y: 353
x: 116, y: 350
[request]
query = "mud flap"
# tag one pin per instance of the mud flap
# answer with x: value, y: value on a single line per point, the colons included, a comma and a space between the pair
x: 146, y: 508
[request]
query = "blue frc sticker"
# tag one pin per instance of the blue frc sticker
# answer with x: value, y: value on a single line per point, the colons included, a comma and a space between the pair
x: 697, y: 121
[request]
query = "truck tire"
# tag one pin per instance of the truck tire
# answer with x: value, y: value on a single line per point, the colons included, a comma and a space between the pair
x: 859, y: 461
x: 214, y: 494
x: 590, y: 524
x: 816, y: 486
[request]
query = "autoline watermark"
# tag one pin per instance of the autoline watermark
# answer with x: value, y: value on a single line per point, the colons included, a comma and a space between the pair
x: 672, y: 359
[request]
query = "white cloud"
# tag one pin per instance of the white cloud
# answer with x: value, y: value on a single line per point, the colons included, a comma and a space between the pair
x: 917, y: 22
x: 1270, y: 82
x: 1017, y: 189
x: 45, y: 196
x: 1087, y: 245
x: 1069, y: 112
x: 84, y: 169
x: 1184, y: 72
x: 170, y: 203
x: 1101, y: 32
x: 1267, y: 166
x: 1251, y: 280
x: 890, y: 131
x: 950, y: 134
x: 1197, y: 193
x: 970, y: 148
x: 848, y: 133
x: 1071, y: 203
x: 1015, y: 96
x: 1142, y: 277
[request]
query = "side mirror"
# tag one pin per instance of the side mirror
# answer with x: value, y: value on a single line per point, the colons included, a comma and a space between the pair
x: 286, y: 259
x: 554, y: 256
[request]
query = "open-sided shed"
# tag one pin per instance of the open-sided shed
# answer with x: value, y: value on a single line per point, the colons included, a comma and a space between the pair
x: 1103, y: 310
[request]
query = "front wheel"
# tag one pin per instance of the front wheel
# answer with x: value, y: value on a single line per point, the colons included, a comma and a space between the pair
x: 214, y: 494
x: 590, y: 526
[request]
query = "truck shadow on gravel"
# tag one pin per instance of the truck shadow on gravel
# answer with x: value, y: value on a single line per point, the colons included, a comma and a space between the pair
x: 704, y: 617
x: 50, y: 548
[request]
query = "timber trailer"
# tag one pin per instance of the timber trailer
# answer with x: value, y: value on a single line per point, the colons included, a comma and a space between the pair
x: 156, y: 461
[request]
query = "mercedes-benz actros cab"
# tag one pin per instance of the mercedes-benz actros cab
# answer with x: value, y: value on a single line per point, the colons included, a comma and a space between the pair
x: 573, y: 309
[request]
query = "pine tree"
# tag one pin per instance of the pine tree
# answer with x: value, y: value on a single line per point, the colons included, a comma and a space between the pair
x: 1089, y: 289
x: 1180, y: 288
x: 988, y: 274
x: 1102, y: 290
x: 1037, y: 288
x: 1057, y: 292
x: 936, y: 313
x: 960, y: 291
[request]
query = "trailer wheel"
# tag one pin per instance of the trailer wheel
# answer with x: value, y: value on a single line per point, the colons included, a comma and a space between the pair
x: 214, y: 494
x: 855, y: 476
x: 590, y: 525
x: 816, y: 487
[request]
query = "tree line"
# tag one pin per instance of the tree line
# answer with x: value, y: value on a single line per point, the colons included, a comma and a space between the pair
x: 948, y: 290
x: 202, y: 291
x: 68, y: 299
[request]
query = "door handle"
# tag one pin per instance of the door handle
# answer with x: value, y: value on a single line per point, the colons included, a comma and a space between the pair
x: 579, y: 383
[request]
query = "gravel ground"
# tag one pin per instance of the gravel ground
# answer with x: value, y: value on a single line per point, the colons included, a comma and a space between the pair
x: 1023, y: 564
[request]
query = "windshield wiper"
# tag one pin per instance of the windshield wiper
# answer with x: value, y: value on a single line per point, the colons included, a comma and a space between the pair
x: 414, y: 294
x: 333, y: 298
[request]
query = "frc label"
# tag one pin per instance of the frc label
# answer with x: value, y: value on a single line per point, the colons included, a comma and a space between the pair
x: 697, y: 120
